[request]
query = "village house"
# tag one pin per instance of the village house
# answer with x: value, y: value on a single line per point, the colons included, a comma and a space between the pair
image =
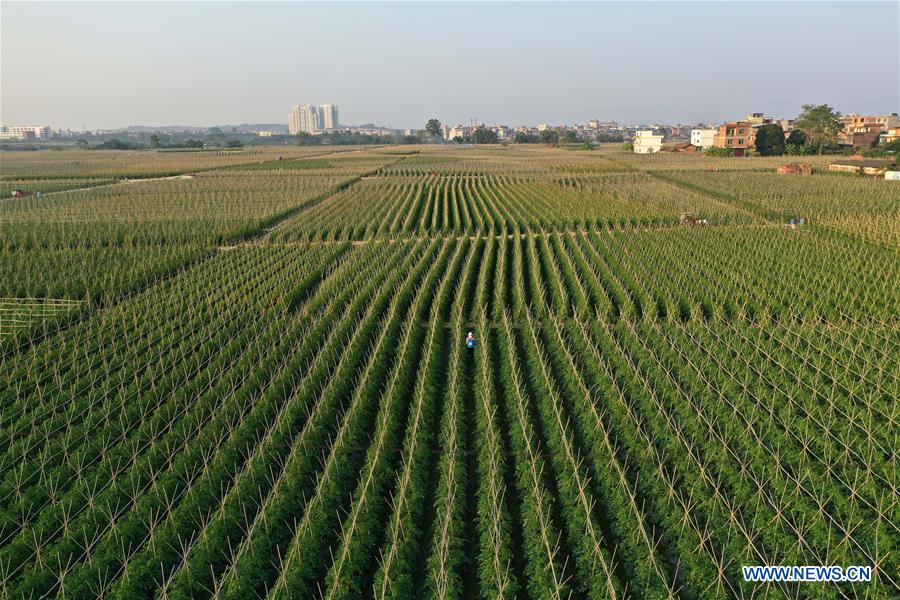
x: 703, y: 138
x: 645, y: 142
x: 892, y: 134
x: 862, y: 131
x: 758, y: 119
x: 740, y: 136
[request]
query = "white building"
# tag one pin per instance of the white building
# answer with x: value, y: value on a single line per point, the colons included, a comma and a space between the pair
x: 309, y: 118
x: 304, y: 118
x: 702, y: 138
x: 503, y: 132
x: 647, y: 143
x: 370, y: 130
x: 445, y: 132
x: 328, y: 116
x: 18, y: 132
x: 458, y: 132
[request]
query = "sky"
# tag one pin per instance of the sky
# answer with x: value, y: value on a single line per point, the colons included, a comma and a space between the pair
x: 108, y: 65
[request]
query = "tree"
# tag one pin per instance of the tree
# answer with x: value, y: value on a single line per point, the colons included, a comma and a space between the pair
x: 82, y: 143
x: 587, y: 146
x: 114, y: 144
x: 718, y: 151
x: 483, y: 135
x: 549, y: 136
x: 433, y: 128
x: 770, y: 140
x: 820, y: 123
x: 883, y: 150
x: 798, y: 149
x: 796, y: 137
x: 307, y: 139
x: 234, y: 144
x: 154, y: 140
x: 570, y: 136
x: 524, y: 138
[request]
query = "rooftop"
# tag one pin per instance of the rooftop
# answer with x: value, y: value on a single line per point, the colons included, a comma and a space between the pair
x: 864, y: 162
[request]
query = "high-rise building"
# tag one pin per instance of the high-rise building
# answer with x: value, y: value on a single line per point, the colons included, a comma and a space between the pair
x: 304, y: 118
x: 309, y: 118
x: 328, y: 116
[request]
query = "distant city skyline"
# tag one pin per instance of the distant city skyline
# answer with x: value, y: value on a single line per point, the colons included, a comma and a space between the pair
x: 111, y: 65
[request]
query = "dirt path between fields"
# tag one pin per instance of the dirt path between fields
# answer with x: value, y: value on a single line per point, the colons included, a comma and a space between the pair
x: 508, y: 236
x: 112, y: 184
x: 186, y: 175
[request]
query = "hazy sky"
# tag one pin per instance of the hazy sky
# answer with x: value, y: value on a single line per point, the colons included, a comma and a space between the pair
x: 206, y: 63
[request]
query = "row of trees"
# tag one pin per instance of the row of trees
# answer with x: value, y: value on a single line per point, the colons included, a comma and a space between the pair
x: 158, y: 142
x: 117, y: 144
x: 343, y: 138
x: 483, y: 135
x: 771, y: 141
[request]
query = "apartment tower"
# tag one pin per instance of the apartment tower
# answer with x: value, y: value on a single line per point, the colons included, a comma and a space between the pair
x: 309, y: 118
x: 304, y: 118
x: 328, y: 116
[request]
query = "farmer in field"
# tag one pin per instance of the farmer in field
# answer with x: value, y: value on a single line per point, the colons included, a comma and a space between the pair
x: 470, y: 342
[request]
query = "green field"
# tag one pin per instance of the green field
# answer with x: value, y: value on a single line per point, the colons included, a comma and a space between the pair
x: 251, y: 382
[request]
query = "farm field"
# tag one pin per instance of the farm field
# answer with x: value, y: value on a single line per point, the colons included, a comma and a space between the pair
x: 89, y: 164
x: 244, y: 377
